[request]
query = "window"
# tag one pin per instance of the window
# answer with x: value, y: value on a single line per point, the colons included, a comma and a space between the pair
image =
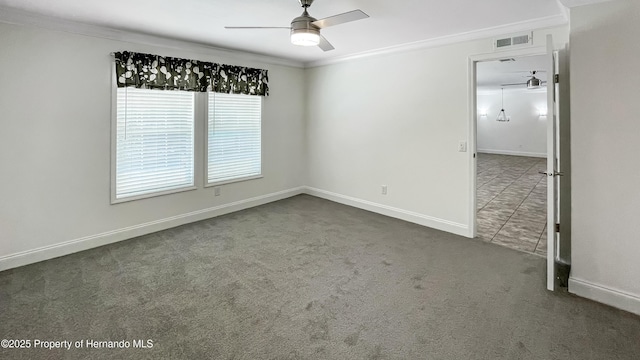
x: 234, y: 150
x: 154, y: 143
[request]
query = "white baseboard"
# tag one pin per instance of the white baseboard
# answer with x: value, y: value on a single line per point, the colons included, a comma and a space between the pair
x: 421, y: 219
x: 615, y: 298
x: 92, y: 241
x: 513, y: 153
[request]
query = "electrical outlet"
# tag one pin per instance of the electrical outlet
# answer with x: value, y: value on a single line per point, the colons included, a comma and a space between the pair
x: 216, y: 191
x: 462, y: 146
x: 384, y: 189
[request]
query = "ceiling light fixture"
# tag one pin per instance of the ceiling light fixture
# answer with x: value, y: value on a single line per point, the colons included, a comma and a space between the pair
x: 534, y: 82
x: 305, y: 37
x: 502, y: 116
x: 303, y: 31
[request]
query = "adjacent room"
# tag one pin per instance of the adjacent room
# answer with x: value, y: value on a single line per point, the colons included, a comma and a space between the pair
x: 298, y: 179
x: 512, y: 153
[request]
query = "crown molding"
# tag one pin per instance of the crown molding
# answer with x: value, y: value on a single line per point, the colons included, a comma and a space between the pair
x: 541, y: 23
x: 564, y: 9
x: 574, y: 3
x: 19, y: 17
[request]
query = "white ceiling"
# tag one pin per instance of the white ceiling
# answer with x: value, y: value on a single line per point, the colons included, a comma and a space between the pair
x: 491, y: 75
x: 391, y: 23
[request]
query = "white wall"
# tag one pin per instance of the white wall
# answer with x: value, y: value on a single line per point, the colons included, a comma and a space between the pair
x: 524, y: 135
x: 396, y: 120
x: 55, y: 112
x: 605, y: 128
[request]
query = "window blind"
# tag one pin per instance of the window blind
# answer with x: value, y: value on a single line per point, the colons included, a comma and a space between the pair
x: 234, y: 137
x: 154, y: 141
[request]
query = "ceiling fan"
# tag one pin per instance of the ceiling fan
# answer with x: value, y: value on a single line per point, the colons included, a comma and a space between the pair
x: 533, y: 82
x: 305, y: 29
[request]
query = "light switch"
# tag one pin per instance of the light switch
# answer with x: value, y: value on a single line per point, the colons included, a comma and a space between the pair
x: 462, y: 146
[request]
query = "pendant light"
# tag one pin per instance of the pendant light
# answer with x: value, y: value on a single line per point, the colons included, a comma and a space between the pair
x: 502, y: 116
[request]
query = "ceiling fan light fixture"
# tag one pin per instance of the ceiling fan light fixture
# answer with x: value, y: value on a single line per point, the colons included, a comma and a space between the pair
x: 305, y: 29
x: 305, y: 37
x: 534, y: 83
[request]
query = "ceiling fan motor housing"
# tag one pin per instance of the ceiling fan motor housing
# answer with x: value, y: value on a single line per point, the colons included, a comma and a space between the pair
x: 304, y: 21
x: 534, y: 83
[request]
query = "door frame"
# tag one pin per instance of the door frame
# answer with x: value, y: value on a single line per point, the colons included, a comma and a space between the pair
x: 473, y: 119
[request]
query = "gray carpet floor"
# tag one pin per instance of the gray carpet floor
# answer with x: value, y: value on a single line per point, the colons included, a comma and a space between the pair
x: 305, y: 278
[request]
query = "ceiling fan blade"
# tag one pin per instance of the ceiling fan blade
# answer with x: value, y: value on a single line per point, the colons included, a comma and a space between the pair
x: 257, y: 27
x: 525, y: 71
x: 513, y: 84
x: 340, y: 19
x: 324, y: 44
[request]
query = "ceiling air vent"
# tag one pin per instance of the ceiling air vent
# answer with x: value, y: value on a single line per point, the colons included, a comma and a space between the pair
x: 513, y: 41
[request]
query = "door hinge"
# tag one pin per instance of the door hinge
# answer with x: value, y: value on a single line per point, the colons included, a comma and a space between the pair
x: 557, y: 228
x: 556, y: 78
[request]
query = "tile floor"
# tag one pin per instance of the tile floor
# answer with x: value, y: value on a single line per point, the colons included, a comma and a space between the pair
x: 512, y: 202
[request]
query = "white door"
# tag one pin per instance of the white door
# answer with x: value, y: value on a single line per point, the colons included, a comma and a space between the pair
x: 552, y: 167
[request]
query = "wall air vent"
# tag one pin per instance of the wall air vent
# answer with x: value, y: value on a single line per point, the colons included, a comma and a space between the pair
x: 500, y: 43
x: 514, y: 41
x: 519, y: 40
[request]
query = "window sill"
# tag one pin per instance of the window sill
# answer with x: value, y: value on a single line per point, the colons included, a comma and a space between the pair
x: 115, y: 201
x: 226, y: 182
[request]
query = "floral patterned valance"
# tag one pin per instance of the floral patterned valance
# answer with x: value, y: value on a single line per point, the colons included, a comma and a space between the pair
x: 168, y: 73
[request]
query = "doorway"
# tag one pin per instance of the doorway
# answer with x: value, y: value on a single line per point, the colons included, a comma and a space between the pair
x: 511, y: 143
x: 558, y: 193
